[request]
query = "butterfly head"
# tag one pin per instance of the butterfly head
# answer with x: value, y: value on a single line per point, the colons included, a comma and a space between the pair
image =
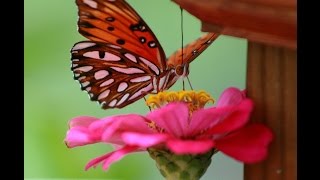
x: 182, y: 70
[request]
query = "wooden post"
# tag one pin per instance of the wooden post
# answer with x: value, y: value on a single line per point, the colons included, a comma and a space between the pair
x: 271, y: 83
x: 270, y: 27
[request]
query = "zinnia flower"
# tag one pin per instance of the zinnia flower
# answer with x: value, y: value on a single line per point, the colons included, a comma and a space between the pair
x: 178, y: 130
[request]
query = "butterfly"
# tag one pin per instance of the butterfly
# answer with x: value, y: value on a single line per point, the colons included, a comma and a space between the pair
x: 123, y: 61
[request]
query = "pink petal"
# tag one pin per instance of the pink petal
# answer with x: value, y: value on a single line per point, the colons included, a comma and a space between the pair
x: 117, y: 155
x: 237, y: 119
x: 85, y: 130
x: 82, y: 121
x: 79, y: 136
x: 173, y: 118
x: 248, y: 145
x: 88, y: 130
x: 230, y: 96
x: 110, y: 157
x: 112, y: 127
x: 128, y: 122
x: 244, y: 92
x: 203, y: 119
x: 94, y: 162
x: 190, y: 146
x: 144, y: 140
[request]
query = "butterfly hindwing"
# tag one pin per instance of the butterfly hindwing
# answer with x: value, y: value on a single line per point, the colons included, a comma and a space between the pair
x: 116, y: 22
x: 113, y: 76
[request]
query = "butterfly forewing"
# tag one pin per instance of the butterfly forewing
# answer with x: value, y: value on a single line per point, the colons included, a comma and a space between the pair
x: 113, y: 76
x: 117, y: 23
x: 190, y: 52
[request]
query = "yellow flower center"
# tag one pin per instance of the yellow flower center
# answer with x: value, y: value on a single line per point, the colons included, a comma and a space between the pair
x: 194, y: 99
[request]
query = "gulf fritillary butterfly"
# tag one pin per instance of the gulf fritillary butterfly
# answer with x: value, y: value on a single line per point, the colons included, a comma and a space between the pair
x: 124, y: 61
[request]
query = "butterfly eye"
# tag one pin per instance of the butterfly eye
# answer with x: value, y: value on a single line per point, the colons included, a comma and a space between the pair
x: 179, y: 70
x: 182, y: 70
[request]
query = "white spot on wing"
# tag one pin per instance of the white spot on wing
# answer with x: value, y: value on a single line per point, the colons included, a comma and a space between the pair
x: 145, y: 89
x: 122, y: 86
x: 140, y: 79
x: 82, y: 77
x: 114, y: 46
x: 88, y: 89
x: 166, y: 82
x: 84, y: 84
x: 111, y: 57
x: 125, y: 97
x: 75, y: 59
x: 155, y: 84
x: 91, y: 3
x: 74, y: 65
x: 153, y: 67
x: 113, y: 103
x: 107, y: 56
x: 106, y: 83
x: 152, y: 44
x: 128, y: 70
x: 104, y: 94
x: 101, y: 74
x: 131, y: 57
x: 82, y: 45
x: 103, y: 103
x: 84, y: 68
x: 162, y: 81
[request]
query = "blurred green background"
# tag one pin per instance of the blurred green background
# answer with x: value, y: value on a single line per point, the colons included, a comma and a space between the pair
x: 52, y: 97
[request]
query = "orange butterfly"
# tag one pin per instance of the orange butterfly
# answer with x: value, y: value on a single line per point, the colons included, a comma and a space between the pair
x: 124, y: 61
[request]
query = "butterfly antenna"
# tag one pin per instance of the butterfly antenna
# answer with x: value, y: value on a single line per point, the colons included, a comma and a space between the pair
x: 189, y: 83
x: 181, y: 15
x: 181, y: 10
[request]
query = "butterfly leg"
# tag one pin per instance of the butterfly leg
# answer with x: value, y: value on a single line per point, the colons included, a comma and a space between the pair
x: 145, y: 100
x: 189, y: 83
x: 183, y: 86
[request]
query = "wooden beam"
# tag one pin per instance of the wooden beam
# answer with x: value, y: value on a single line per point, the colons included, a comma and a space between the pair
x: 266, y: 21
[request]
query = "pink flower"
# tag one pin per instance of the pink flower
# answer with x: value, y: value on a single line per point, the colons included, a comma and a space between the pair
x: 179, y: 128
